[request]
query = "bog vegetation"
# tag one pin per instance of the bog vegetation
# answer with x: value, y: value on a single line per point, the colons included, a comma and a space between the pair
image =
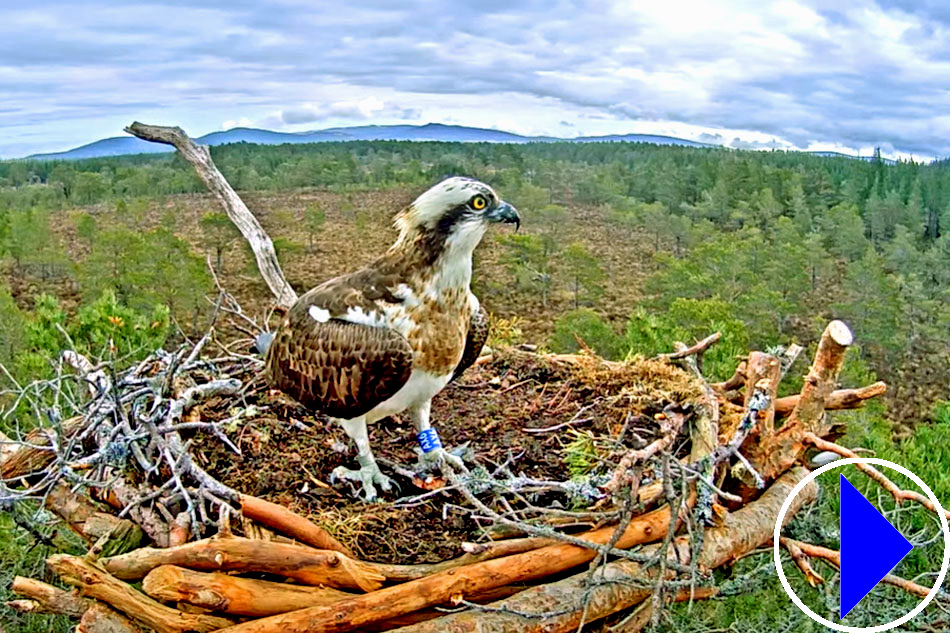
x: 624, y: 249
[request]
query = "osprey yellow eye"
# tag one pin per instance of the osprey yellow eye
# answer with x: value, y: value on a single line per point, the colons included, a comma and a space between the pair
x: 479, y: 202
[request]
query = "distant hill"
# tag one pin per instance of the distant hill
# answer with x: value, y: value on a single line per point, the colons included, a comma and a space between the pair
x: 831, y: 154
x: 122, y: 145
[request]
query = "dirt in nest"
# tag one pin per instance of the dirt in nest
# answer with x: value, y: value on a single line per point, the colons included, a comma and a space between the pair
x: 289, y: 453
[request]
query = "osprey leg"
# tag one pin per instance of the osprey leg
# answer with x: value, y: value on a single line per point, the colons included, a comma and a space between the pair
x: 368, y: 473
x: 436, y: 455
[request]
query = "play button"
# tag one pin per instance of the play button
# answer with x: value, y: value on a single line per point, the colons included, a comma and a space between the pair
x: 870, y: 546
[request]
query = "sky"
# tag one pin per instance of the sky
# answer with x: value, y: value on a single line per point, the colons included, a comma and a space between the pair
x: 844, y: 76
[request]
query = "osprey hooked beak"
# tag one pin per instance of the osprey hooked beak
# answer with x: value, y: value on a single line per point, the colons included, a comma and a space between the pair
x: 504, y: 212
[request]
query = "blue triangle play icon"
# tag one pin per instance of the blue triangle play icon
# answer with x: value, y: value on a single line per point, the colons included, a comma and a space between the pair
x: 870, y: 546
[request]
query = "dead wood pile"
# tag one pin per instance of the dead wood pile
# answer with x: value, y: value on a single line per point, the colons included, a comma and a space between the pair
x: 657, y: 478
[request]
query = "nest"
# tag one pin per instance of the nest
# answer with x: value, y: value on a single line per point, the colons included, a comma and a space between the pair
x: 571, y: 460
x: 546, y: 418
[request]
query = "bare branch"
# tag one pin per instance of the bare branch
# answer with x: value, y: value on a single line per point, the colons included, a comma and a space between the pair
x: 694, y: 350
x: 200, y: 158
x: 893, y: 489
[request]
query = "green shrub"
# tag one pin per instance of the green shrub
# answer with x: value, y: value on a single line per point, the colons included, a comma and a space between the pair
x: 586, y: 325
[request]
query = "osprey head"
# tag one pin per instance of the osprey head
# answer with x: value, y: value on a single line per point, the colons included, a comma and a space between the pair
x: 454, y: 214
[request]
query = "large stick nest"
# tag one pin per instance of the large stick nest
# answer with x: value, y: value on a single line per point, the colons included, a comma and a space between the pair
x: 546, y: 418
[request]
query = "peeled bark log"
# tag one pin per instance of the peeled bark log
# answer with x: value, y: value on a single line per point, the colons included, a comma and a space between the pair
x: 838, y: 399
x: 200, y: 158
x: 488, y: 551
x: 392, y: 602
x: 101, y: 619
x: 308, y: 565
x: 95, y: 582
x: 742, y: 531
x: 44, y: 598
x: 283, y: 520
x: 234, y: 595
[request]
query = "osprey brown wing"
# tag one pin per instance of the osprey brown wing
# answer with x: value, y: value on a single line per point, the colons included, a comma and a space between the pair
x: 474, y: 341
x: 340, y: 368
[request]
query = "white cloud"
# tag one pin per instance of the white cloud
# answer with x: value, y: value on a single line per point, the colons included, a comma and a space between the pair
x: 230, y: 123
x: 771, y: 73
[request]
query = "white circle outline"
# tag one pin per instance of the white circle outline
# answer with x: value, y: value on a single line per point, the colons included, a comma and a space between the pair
x: 861, y: 629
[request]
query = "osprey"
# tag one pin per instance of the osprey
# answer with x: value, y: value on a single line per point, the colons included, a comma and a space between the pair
x: 387, y: 338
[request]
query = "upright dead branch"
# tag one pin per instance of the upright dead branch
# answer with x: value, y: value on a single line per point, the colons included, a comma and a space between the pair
x: 787, y: 445
x: 763, y: 367
x: 200, y: 158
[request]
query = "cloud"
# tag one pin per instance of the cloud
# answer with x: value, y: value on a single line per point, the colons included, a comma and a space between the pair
x: 356, y: 110
x: 774, y: 73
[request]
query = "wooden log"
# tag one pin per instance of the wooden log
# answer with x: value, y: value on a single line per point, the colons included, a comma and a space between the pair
x: 415, y: 595
x: 36, y: 453
x: 430, y: 614
x: 741, y: 532
x: 45, y: 598
x: 101, y: 619
x: 124, y: 493
x: 283, y: 520
x: 256, y: 598
x: 179, y: 530
x: 761, y: 366
x: 733, y: 382
x: 763, y: 374
x: 200, y: 158
x: 75, y: 509
x: 234, y: 595
x: 693, y: 350
x: 786, y: 445
x: 7, y: 447
x: 838, y: 399
x: 112, y: 535
x: 97, y: 583
x: 475, y: 553
x: 308, y: 565
x: 85, y: 517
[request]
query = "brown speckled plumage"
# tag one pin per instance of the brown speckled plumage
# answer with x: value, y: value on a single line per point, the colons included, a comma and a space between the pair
x: 474, y: 342
x: 343, y: 369
x: 348, y: 346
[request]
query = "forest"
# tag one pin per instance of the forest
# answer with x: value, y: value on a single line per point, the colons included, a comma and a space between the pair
x: 624, y: 248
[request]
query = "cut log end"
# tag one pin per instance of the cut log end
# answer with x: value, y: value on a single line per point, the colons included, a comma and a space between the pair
x: 840, y: 333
